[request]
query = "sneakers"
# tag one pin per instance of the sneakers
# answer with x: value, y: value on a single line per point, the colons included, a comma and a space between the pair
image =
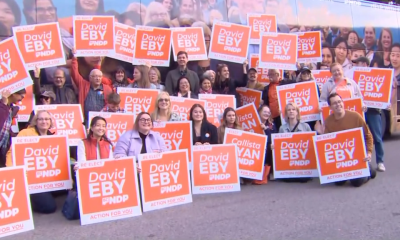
x: 381, y: 167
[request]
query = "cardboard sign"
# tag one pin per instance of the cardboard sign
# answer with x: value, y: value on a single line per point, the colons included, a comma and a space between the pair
x: 152, y: 46
x: 251, y: 152
x: 248, y: 96
x: 229, y: 42
x: 215, y: 169
x: 262, y: 73
x: 304, y: 95
x: 260, y: 23
x: 340, y: 156
x: 108, y: 190
x: 67, y: 121
x: 216, y: 104
x: 351, y: 104
x: 137, y: 100
x: 13, y: 74
x: 117, y: 123
x: 278, y: 51
x: 294, y: 155
x: 309, y: 47
x: 375, y: 85
x: 15, y: 205
x: 165, y: 181
x: 249, y: 119
x: 124, y: 42
x: 182, y: 106
x: 46, y: 159
x: 321, y: 76
x: 40, y: 45
x: 190, y: 40
x: 26, y: 105
x: 93, y: 35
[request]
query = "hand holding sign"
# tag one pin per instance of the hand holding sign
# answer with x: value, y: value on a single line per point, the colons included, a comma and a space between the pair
x: 36, y: 72
x: 4, y: 96
x: 368, y: 158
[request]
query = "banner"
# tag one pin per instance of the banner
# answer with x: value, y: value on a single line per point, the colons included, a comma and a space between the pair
x: 26, y: 105
x: 108, y: 190
x: 340, y: 156
x: 137, y: 100
x: 152, y: 46
x: 190, y: 40
x: 309, y: 47
x: 262, y: 73
x: 294, y: 155
x: 278, y: 51
x: 40, y: 45
x: 124, y: 42
x: 229, y: 42
x: 249, y: 96
x: 260, y: 23
x: 251, y: 152
x: 93, y: 35
x: 46, y: 159
x: 67, y: 120
x: 216, y: 104
x: 15, y: 205
x: 249, y: 119
x: 165, y: 181
x: 351, y: 104
x: 215, y: 169
x: 321, y: 76
x: 182, y: 106
x: 304, y: 95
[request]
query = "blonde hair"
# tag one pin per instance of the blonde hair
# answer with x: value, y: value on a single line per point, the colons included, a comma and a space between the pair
x: 154, y: 114
x: 334, y: 65
x: 295, y: 107
x: 157, y: 73
x: 34, y: 119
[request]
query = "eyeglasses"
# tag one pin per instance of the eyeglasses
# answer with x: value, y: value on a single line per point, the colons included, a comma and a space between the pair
x: 336, y: 103
x: 144, y: 120
x: 43, y: 119
x: 163, y: 100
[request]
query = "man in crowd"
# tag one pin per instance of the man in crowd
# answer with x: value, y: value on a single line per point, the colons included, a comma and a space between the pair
x: 252, y: 82
x: 113, y: 103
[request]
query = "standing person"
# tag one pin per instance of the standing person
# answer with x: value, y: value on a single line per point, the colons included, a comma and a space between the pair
x: 120, y: 79
x: 384, y: 43
x: 45, y: 98
x: 206, y: 86
x: 341, y: 52
x: 113, y: 104
x: 163, y: 109
x: 204, y: 133
x: 10, y: 15
x: 229, y: 120
x: 141, y: 78
x: 183, y: 89
x: 252, y: 82
x: 171, y: 82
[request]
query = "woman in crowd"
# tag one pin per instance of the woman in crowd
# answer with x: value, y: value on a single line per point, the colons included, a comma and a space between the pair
x: 156, y: 12
x: 120, y: 79
x: 229, y: 120
x: 155, y: 78
x: 384, y: 44
x: 341, y: 52
x: 169, y: 5
x: 11, y: 15
x: 163, y: 109
x: 205, y: 86
x: 183, y: 89
x: 209, y: 74
x: 204, y: 133
x: 352, y: 38
x: 328, y: 57
x: 141, y: 78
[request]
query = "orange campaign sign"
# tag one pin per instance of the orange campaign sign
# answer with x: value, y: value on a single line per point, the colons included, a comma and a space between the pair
x: 249, y: 119
x: 26, y: 105
x: 248, y: 96
x: 375, y: 85
x: 229, y: 42
x: 215, y: 169
x: 165, y: 180
x: 13, y: 74
x: 216, y: 104
x: 40, y: 45
x: 351, y: 104
x: 124, y: 42
x: 117, y: 123
x: 321, y: 76
x: 278, y: 51
x: 93, y: 35
x: 46, y: 159
x: 340, y: 156
x: 108, y: 190
x: 304, y: 95
x: 260, y: 23
x: 67, y: 121
x: 182, y: 106
x: 152, y: 46
x: 15, y: 205
x: 309, y: 47
x: 251, y: 152
x: 137, y: 100
x: 262, y: 73
x: 294, y: 155
x: 190, y: 40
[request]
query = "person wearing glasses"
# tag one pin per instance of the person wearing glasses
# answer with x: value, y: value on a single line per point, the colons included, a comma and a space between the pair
x: 163, y: 109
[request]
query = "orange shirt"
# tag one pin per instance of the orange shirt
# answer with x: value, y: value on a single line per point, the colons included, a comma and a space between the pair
x: 343, y: 90
x: 273, y: 99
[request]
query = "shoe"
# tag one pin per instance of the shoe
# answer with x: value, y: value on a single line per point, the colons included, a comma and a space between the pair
x: 381, y: 167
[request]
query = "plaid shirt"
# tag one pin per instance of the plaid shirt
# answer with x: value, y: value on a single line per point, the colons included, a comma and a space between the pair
x: 106, y: 109
x: 5, y: 135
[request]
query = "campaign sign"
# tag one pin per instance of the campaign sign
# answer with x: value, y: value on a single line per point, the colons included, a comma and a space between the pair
x: 137, y: 100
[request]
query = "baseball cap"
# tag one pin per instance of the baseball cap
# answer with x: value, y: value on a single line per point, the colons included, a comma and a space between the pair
x: 252, y: 69
x: 48, y: 94
x: 362, y: 59
x: 305, y: 69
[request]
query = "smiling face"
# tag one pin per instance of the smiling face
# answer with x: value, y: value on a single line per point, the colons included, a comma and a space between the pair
x: 395, y: 57
x: 336, y: 105
x: 187, y: 7
x: 99, y: 128
x: 45, y: 12
x: 182, y: 60
x: 43, y: 121
x: 59, y: 78
x: 252, y: 76
x: 6, y: 15
x: 153, y: 76
x: 230, y: 117
x: 386, y: 39
x: 119, y: 76
x: 224, y: 73
x: 197, y: 114
x: 352, y: 39
x: 327, y: 58
x: 265, y: 113
x: 145, y: 123
x: 168, y: 5
x: 341, y: 52
x: 184, y: 86
x: 369, y: 36
x: 96, y: 77
x: 337, y: 72
x: 164, y: 102
x: 206, y: 85
x: 89, y: 5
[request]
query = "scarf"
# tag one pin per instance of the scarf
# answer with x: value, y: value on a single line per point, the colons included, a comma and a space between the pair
x: 205, y: 92
x: 5, y: 135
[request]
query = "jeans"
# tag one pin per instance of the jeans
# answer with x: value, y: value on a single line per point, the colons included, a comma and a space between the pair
x: 43, y: 203
x: 358, y: 182
x: 374, y: 123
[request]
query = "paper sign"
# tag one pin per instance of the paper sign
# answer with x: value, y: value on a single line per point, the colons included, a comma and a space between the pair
x: 216, y: 105
x: 190, y: 40
x: 262, y: 73
x: 309, y: 47
x: 152, y: 46
x: 182, y: 106
x: 26, y: 105
x: 304, y: 95
x: 15, y: 208
x: 93, y: 35
x: 229, y: 42
x: 278, y: 51
x: 165, y: 180
x: 294, y: 155
x: 40, y: 45
x: 124, y: 42
x: 67, y: 121
x: 137, y: 100
x: 351, y: 104
x: 46, y: 159
x: 215, y: 169
x: 340, y: 156
x: 13, y: 74
x: 248, y: 96
x: 251, y: 152
x: 260, y: 23
x: 249, y: 119
x: 375, y: 85
x: 321, y: 76
x: 117, y: 123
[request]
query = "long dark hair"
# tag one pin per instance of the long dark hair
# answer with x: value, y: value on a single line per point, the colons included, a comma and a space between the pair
x: 92, y: 124
x: 114, y: 76
x: 218, y: 81
x: 177, y: 89
x: 328, y: 46
x: 202, y: 109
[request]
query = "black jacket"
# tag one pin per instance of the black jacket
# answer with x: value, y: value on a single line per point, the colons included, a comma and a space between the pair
x: 265, y: 97
x: 232, y: 85
x: 208, y: 133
